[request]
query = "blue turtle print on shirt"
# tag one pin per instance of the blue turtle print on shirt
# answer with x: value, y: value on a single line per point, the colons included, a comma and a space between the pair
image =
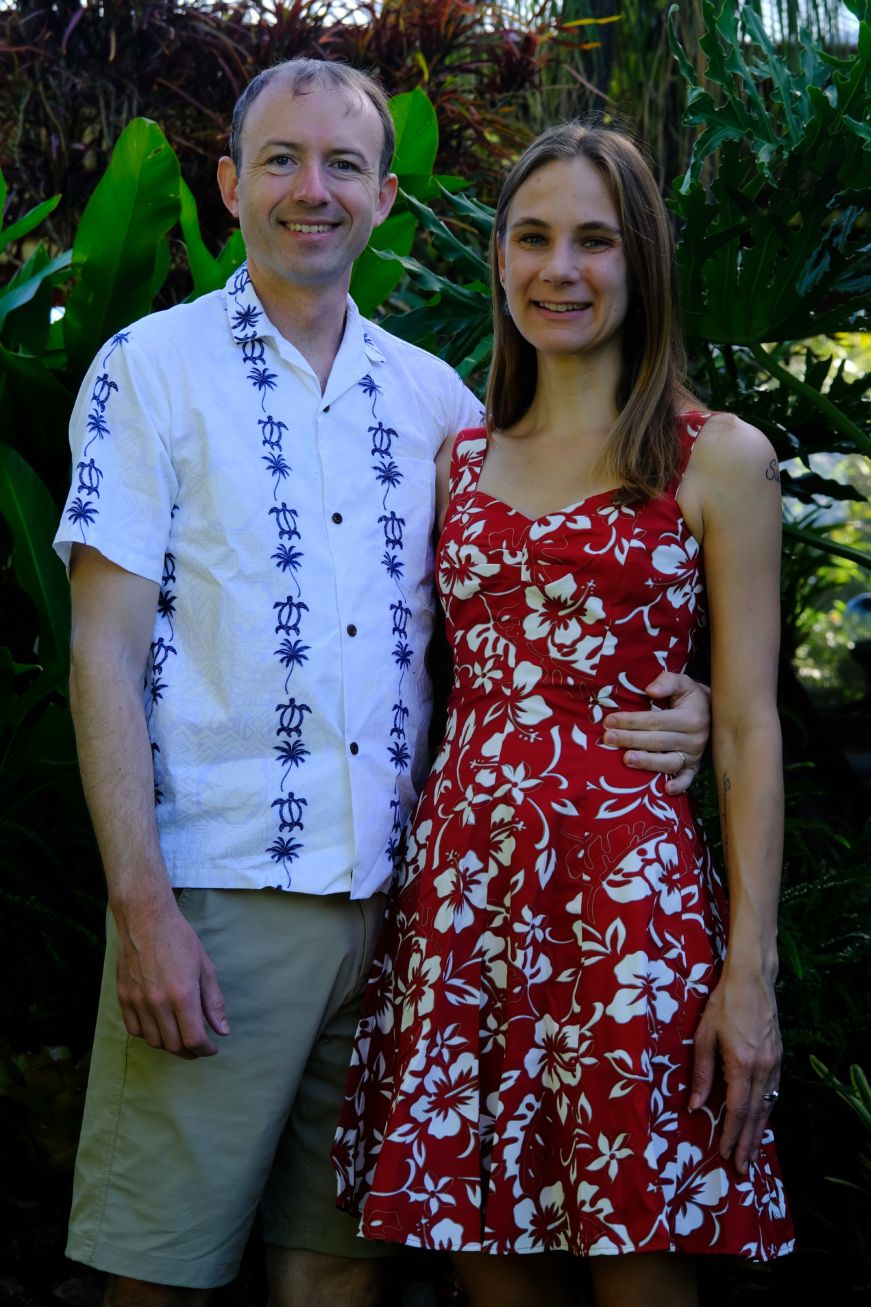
x: 291, y: 749
x: 389, y: 477
x: 83, y: 511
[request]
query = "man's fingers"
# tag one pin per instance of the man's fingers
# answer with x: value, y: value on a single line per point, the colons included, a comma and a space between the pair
x: 194, y: 1037
x: 680, y: 783
x: 132, y: 1024
x: 675, y: 685
x: 655, y: 740
x: 672, y: 762
x: 213, y: 1001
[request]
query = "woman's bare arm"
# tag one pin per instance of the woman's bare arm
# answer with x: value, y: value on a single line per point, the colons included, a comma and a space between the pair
x: 733, y: 493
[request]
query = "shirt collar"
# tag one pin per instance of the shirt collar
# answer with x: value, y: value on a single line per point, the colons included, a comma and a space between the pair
x: 248, y: 320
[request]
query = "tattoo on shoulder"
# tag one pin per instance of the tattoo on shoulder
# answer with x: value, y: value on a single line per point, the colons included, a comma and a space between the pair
x: 772, y: 472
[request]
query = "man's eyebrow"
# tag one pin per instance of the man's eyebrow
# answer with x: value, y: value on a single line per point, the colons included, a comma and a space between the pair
x: 595, y: 225
x: 295, y: 145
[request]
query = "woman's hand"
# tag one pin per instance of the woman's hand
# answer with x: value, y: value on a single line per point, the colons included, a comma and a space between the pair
x: 739, y: 1021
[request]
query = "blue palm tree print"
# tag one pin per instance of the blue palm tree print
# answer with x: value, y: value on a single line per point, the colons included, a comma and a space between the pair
x: 388, y: 475
x: 290, y: 750
x: 82, y: 514
x: 287, y: 558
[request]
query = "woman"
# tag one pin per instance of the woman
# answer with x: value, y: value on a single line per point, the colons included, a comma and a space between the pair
x: 559, y: 1052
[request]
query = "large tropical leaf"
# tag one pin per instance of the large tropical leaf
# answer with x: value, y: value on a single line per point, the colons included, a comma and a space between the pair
x: 32, y: 519
x: 120, y: 254
x: 776, y: 246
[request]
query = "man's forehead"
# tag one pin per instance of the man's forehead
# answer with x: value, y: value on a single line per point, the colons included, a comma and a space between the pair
x: 343, y: 101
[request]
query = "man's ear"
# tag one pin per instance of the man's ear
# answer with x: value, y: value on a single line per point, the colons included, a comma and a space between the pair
x: 228, y: 182
x: 386, y: 196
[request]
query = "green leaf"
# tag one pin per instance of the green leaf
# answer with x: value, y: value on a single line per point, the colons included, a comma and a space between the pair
x: 826, y: 546
x: 205, y: 269
x: 373, y: 277
x: 232, y: 255
x: 32, y: 518
x: 465, y: 261
x: 27, y: 281
x: 35, y: 411
x: 417, y: 133
x: 120, y: 255
x: 30, y: 220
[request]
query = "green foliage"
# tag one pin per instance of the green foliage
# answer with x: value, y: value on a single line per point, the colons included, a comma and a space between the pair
x: 775, y: 248
x: 48, y: 1090
x: 857, y: 1095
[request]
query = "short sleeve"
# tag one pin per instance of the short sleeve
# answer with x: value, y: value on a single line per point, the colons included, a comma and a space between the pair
x: 124, y: 485
x: 469, y: 411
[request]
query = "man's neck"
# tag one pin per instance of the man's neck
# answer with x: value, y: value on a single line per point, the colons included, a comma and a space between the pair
x: 312, y: 318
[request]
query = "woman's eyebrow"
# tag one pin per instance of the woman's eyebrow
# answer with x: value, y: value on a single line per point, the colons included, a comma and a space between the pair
x: 595, y: 225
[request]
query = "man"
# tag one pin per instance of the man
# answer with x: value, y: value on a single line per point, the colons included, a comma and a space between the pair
x: 250, y: 525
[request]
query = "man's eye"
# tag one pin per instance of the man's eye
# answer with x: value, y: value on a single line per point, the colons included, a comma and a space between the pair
x: 279, y: 160
x: 345, y: 165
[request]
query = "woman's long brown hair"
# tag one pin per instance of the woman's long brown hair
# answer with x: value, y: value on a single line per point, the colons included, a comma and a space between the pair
x: 643, y: 451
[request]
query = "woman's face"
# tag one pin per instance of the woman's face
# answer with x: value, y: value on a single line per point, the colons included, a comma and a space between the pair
x: 562, y: 261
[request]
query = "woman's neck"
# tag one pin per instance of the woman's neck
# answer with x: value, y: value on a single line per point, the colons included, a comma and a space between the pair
x: 574, y: 396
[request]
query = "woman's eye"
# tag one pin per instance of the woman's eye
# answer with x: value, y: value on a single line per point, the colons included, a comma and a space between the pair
x: 279, y: 160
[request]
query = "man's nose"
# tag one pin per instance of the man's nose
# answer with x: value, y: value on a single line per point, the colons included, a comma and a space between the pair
x: 309, y: 185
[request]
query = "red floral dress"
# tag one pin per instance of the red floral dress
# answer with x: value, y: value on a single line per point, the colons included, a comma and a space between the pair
x: 521, y: 1069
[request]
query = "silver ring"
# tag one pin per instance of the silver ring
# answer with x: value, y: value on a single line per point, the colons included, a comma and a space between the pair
x: 683, y: 762
x: 772, y: 1096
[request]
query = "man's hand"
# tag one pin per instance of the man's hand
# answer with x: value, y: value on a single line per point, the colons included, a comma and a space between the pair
x: 671, y: 739
x: 167, y: 986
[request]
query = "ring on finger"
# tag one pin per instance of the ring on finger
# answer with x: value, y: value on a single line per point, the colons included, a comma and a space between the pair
x: 772, y: 1096
x: 683, y: 762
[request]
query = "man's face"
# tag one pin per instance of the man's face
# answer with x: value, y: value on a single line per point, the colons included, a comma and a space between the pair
x: 307, y: 194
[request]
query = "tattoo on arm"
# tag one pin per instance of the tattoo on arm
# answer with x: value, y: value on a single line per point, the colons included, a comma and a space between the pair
x: 772, y: 472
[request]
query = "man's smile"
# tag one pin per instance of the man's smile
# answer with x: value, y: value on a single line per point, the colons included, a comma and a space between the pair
x: 309, y: 227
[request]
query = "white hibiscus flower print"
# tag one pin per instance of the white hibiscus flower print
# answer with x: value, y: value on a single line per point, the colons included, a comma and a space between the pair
x: 416, y: 995
x: 553, y: 1058
x: 650, y: 868
x: 446, y: 1236
x: 448, y: 1097
x: 693, y: 1189
x: 644, y: 992
x: 679, y: 560
x: 462, y: 568
x: 543, y: 1219
x: 462, y: 888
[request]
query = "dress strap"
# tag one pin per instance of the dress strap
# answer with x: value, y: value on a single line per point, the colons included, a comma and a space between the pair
x: 467, y: 459
x: 689, y: 426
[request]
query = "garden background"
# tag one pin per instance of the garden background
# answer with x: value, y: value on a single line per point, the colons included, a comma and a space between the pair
x: 112, y: 116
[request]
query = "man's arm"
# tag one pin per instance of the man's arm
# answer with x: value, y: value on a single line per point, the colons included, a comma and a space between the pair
x: 167, y: 987
x: 671, y: 739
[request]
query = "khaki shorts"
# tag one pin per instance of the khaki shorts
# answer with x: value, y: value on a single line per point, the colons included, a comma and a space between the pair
x: 175, y: 1157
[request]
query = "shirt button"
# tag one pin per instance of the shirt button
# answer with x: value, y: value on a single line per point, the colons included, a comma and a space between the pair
x: 354, y: 747
x: 326, y: 408
x: 337, y: 517
x: 351, y: 629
